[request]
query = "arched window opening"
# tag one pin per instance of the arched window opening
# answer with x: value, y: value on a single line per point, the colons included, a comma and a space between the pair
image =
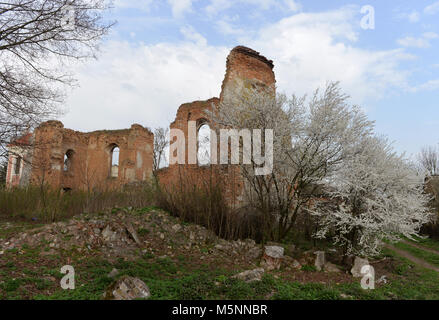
x: 203, y: 143
x: 68, y: 159
x: 114, y: 164
x: 17, y: 165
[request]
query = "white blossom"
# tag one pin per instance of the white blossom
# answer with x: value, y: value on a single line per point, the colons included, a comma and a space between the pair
x: 375, y: 195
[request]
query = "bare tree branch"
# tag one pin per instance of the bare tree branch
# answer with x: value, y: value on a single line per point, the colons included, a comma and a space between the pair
x: 161, y: 142
x: 37, y: 39
x: 428, y: 159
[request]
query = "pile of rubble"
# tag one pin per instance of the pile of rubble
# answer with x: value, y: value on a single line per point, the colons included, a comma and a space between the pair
x: 121, y: 233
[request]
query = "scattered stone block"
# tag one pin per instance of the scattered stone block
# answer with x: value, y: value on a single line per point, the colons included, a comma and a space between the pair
x: 250, y: 275
x: 330, y: 267
x: 127, y: 288
x: 358, y: 264
x: 113, y: 273
x: 132, y: 232
x: 320, y: 260
x: 272, y: 258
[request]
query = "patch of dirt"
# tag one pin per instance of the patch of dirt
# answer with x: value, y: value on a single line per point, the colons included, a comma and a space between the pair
x: 317, y: 277
x: 420, y: 247
x: 412, y: 258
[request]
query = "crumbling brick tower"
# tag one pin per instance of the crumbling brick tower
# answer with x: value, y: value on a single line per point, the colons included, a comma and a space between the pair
x: 67, y: 159
x: 245, y: 68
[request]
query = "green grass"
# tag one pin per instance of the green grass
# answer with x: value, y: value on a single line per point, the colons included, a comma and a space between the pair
x: 176, y: 280
x: 408, y: 282
x: 309, y: 268
x: 429, y: 257
x: 17, y: 227
x: 13, y: 284
x: 179, y: 278
x: 142, y: 232
x: 427, y: 242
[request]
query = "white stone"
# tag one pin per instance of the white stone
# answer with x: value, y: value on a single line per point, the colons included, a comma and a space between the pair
x: 250, y: 275
x: 272, y: 257
x: 274, y: 251
x: 358, y: 264
x: 113, y: 273
x: 320, y: 260
x: 127, y: 288
x: 330, y: 267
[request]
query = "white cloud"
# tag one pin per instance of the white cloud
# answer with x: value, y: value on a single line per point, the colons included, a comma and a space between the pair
x: 310, y: 49
x: 427, y: 86
x: 190, y: 34
x: 414, y: 16
x: 432, y: 9
x: 147, y: 83
x: 217, y: 6
x: 430, y: 35
x: 263, y: 4
x: 293, y: 5
x: 228, y: 26
x: 180, y: 7
x: 143, y: 5
x: 143, y: 84
x: 422, y: 42
x: 414, y: 42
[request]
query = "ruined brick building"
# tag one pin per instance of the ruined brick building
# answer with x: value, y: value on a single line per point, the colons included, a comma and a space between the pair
x: 69, y: 159
x: 74, y: 160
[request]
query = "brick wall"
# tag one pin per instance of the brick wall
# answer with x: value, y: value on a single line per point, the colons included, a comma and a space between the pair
x: 90, y: 157
x: 244, y: 67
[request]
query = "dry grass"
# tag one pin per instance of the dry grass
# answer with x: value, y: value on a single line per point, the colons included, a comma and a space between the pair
x: 203, y: 200
x: 47, y: 205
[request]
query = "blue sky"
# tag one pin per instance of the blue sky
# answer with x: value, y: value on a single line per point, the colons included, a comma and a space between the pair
x: 165, y: 53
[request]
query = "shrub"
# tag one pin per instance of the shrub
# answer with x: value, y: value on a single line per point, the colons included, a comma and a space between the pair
x: 48, y: 204
x: 205, y: 199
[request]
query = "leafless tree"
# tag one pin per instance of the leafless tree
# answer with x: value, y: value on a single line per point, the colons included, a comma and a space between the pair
x: 161, y: 142
x: 428, y: 159
x: 38, y: 38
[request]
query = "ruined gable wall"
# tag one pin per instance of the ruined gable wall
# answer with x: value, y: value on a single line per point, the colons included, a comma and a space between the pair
x: 194, y: 111
x: 77, y: 142
x: 244, y: 67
